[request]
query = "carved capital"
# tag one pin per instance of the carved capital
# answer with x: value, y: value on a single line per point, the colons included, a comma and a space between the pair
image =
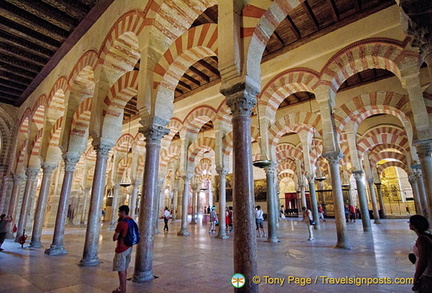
x: 310, y: 177
x: 333, y: 157
x: 187, y: 177
x: 370, y: 179
x: 358, y: 175
x: 20, y: 178
x: 412, y: 179
x: 424, y: 148
x: 241, y: 98
x: 154, y: 133
x: 32, y: 173
x: 70, y: 162
x: 48, y: 168
x: 103, y: 149
x: 271, y: 169
x: 222, y: 171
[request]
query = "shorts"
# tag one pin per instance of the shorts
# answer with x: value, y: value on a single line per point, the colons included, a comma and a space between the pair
x: 121, y: 260
x: 259, y: 223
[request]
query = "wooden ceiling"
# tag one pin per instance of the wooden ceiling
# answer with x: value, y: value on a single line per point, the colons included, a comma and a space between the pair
x: 35, y: 35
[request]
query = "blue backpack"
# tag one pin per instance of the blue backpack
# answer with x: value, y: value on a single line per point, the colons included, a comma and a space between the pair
x: 132, y: 236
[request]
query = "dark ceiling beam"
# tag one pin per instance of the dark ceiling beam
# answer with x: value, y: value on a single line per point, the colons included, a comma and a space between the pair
x: 14, y: 93
x: 333, y: 10
x: 187, y: 76
x: 27, y: 35
x: 44, y: 11
x: 310, y: 14
x: 209, y: 67
x: 24, y: 45
x: 357, y: 5
x: 293, y: 27
x: 8, y: 99
x: 10, y: 85
x: 23, y: 56
x: 12, y: 69
x: 16, y: 80
x: 21, y: 65
x: 185, y: 85
x: 200, y: 73
x: 74, y: 37
x: 207, y: 18
x: 75, y: 11
x: 29, y: 21
x: 179, y: 91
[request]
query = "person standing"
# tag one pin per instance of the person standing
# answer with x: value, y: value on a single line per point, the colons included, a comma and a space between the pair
x: 123, y: 252
x: 166, y: 217
x: 3, y: 227
x: 321, y: 212
x: 259, y: 218
x: 230, y: 215
x: 423, y: 252
x: 213, y: 219
x: 352, y: 213
x: 308, y: 220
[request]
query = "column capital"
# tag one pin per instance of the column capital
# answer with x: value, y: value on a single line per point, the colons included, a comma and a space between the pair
x: 241, y: 98
x: 187, y: 177
x: 20, y: 178
x: 424, y: 148
x: 271, y: 169
x: 333, y: 157
x: 103, y: 148
x: 32, y: 173
x: 222, y: 171
x: 70, y: 161
x: 412, y: 179
x: 310, y: 177
x: 154, y: 133
x: 370, y: 179
x: 136, y: 183
x: 48, y: 168
x: 358, y: 174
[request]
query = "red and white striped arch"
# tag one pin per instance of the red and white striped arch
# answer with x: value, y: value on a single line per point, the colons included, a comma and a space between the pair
x: 56, y: 103
x: 360, y: 56
x: 168, y: 154
x: 376, y: 157
x: 90, y: 58
x: 197, y: 43
x: 386, y: 147
x: 197, y: 118
x: 382, y: 135
x: 55, y: 133
x: 300, y: 121
x: 287, y: 164
x: 286, y: 150
x: 36, y: 144
x: 22, y: 155
x: 287, y: 175
x: 81, y: 118
x: 382, y: 167
x: 124, y: 164
x: 284, y: 84
x: 38, y: 111
x: 224, y: 114
x: 124, y: 143
x: 174, y: 127
x: 227, y: 141
x: 125, y: 88
x: 202, y: 144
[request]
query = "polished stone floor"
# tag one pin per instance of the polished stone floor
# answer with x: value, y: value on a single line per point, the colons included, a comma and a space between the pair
x: 202, y: 263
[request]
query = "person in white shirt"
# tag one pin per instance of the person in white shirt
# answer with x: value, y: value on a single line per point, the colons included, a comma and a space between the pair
x: 259, y: 218
x: 166, y: 217
x: 308, y: 220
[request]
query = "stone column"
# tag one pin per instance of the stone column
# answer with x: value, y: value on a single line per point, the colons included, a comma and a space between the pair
x: 134, y: 197
x: 3, y: 170
x: 91, y: 245
x: 314, y: 200
x: 364, y: 210
x: 13, y: 204
x: 25, y: 204
x: 222, y: 202
x: 144, y: 252
x: 241, y: 98
x: 84, y: 207
x: 380, y: 199
x: 413, y: 182
x: 272, y: 203
x: 370, y: 181
x: 421, y: 188
x: 175, y: 203
x: 302, y: 189
x: 424, y: 151
x: 194, y: 205
x: 41, y: 204
x: 183, y: 230
x: 56, y: 247
x: 114, y: 206
x: 342, y: 237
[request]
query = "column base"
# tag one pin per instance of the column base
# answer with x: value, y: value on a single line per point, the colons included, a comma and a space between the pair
x: 183, y: 232
x: 343, y: 245
x: 273, y: 240
x: 56, y: 250
x: 224, y: 236
x: 89, y: 262
x: 377, y: 222
x: 192, y: 223
x: 36, y: 244
x: 142, y: 277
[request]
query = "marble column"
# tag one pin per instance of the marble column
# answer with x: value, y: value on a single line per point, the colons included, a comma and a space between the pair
x: 56, y: 247
x: 241, y: 98
x: 342, y: 236
x: 25, y: 204
x: 91, y: 245
x: 41, y: 204
x: 194, y: 205
x: 13, y: 204
x: 314, y: 200
x: 183, y: 230
x: 421, y: 188
x: 370, y: 182
x: 302, y: 189
x: 364, y: 209
x: 413, y: 182
x: 272, y: 204
x: 84, y: 207
x: 115, y: 206
x: 222, y: 203
x: 424, y: 151
x: 144, y: 251
x: 3, y: 170
x: 175, y: 203
x: 134, y: 197
x: 380, y: 199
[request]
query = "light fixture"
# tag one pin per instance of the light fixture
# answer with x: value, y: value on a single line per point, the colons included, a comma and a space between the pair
x: 260, y: 163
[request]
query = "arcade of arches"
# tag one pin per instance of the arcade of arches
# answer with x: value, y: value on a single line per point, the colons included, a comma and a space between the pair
x: 343, y: 117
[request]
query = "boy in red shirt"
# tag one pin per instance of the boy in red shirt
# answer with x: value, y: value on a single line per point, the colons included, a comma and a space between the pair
x: 123, y: 252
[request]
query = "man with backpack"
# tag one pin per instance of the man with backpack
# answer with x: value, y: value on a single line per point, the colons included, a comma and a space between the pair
x: 126, y: 235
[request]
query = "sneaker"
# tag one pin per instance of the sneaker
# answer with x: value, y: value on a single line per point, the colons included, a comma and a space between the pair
x: 311, y: 239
